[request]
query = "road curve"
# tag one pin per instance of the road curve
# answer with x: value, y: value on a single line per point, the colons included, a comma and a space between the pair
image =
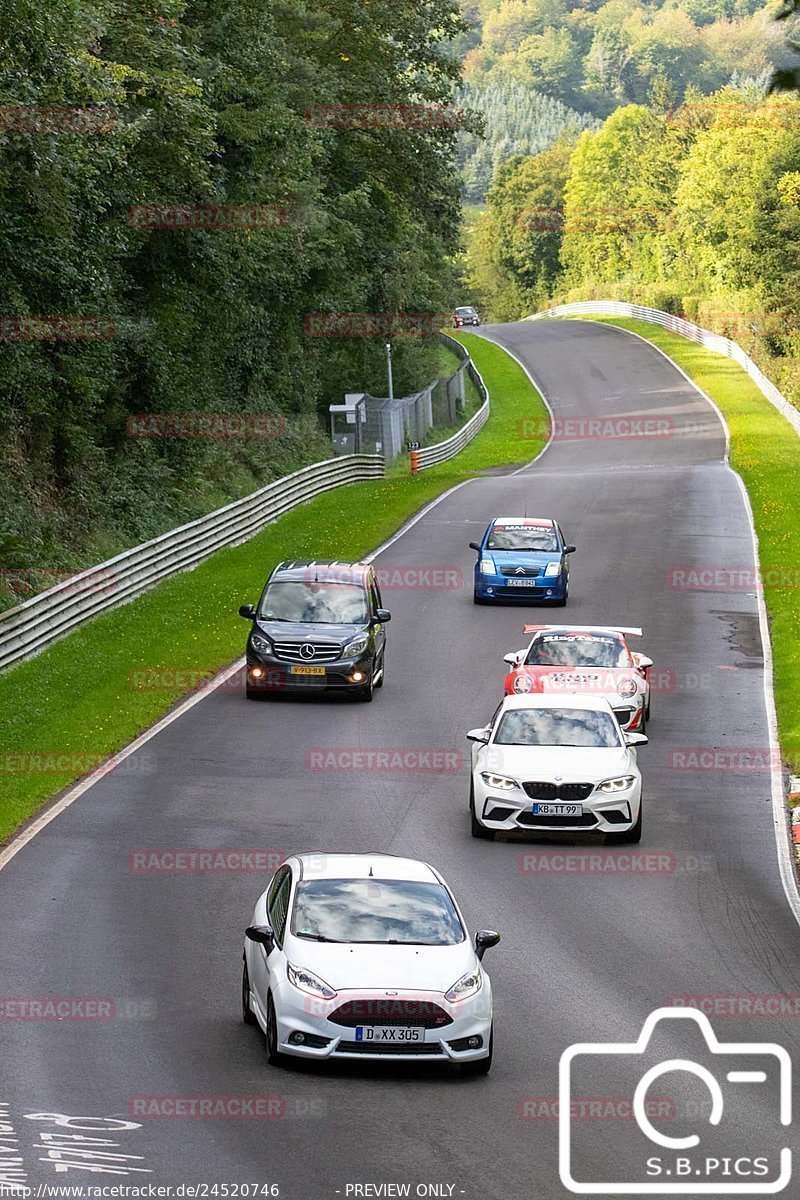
x: 585, y: 955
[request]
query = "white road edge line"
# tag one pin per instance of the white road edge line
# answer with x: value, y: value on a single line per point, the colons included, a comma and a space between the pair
x: 780, y: 815
x: 55, y: 809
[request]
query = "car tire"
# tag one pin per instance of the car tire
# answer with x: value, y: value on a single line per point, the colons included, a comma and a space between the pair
x: 481, y: 1066
x: 366, y: 692
x: 477, y: 599
x: 562, y: 603
x: 248, y: 1016
x: 274, y: 1056
x: 478, y: 830
x: 634, y: 835
x: 379, y: 684
x: 252, y: 693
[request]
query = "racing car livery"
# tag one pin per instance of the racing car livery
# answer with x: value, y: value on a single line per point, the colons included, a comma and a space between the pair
x: 585, y: 659
x: 522, y: 558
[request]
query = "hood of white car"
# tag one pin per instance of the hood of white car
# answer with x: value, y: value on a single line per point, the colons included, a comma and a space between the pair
x: 379, y: 968
x: 572, y: 764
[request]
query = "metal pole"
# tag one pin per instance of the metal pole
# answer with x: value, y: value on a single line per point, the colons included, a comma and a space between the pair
x: 389, y: 369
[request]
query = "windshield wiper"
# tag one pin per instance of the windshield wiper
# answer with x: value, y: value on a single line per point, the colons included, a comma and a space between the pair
x: 317, y: 937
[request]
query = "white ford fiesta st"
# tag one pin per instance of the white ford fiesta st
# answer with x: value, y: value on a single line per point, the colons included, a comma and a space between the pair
x: 366, y: 956
x: 556, y: 763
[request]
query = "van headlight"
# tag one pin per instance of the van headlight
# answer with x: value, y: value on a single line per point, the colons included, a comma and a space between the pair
x: 260, y: 644
x: 357, y: 646
x: 488, y: 567
x: 552, y: 569
x: 620, y: 784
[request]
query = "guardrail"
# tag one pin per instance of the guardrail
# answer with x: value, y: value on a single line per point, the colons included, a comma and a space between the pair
x: 712, y: 341
x: 34, y: 624
x: 430, y: 456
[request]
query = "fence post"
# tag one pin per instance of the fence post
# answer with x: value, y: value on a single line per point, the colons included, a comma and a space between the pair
x: 414, y: 462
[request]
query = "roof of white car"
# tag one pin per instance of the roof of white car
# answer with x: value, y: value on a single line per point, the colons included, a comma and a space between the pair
x: 364, y: 866
x: 545, y: 700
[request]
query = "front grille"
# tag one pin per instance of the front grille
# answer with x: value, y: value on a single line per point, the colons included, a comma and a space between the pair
x: 521, y: 572
x: 419, y: 1048
x: 418, y: 1013
x: 588, y: 821
x: 322, y: 651
x: 569, y: 792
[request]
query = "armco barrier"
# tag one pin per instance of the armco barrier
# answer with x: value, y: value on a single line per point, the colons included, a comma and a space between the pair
x: 712, y: 341
x: 429, y: 456
x: 34, y: 624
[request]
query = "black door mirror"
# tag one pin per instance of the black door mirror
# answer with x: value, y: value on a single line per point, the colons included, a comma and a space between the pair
x: 382, y: 615
x: 475, y: 546
x: 569, y: 549
x: 262, y: 935
x: 484, y: 940
x: 247, y: 610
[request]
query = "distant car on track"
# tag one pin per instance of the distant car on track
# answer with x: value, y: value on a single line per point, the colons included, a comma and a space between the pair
x: 465, y: 316
x: 588, y: 659
x: 555, y: 764
x: 366, y: 956
x: 522, y: 558
x: 319, y: 625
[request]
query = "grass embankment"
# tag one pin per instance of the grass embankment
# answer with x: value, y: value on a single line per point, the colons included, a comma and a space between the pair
x: 765, y: 451
x: 79, y: 698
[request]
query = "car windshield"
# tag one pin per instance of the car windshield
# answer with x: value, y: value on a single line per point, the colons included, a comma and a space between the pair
x: 558, y: 727
x: 307, y: 601
x: 376, y: 911
x: 577, y: 650
x: 466, y: 312
x: 522, y: 537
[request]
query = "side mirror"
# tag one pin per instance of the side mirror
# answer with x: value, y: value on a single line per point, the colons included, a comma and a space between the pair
x: 641, y: 661
x: 636, y: 739
x: 512, y: 659
x: 262, y: 935
x: 569, y: 549
x: 382, y: 615
x: 247, y: 611
x: 475, y: 546
x: 479, y: 735
x: 484, y: 940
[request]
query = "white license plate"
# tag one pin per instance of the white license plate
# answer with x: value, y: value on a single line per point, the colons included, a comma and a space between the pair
x: 384, y: 1034
x: 306, y: 670
x: 521, y: 582
x: 558, y: 810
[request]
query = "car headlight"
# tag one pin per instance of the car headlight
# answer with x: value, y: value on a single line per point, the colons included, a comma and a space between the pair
x: 357, y: 646
x: 627, y: 687
x: 466, y: 986
x: 503, y: 782
x: 488, y: 567
x: 260, y: 644
x: 621, y: 784
x: 552, y: 569
x: 306, y: 982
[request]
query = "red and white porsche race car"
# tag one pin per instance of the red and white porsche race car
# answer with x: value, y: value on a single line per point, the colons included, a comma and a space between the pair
x: 587, y: 659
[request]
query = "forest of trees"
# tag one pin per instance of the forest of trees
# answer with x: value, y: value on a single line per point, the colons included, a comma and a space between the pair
x: 694, y: 209
x: 204, y: 102
x: 594, y: 55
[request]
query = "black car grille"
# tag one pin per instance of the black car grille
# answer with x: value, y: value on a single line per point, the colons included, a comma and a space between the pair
x: 587, y: 821
x: 418, y: 1048
x: 417, y: 1013
x: 568, y: 792
x: 521, y: 572
x: 315, y: 652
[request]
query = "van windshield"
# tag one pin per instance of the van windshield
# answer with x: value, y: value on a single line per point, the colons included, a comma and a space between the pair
x: 308, y: 602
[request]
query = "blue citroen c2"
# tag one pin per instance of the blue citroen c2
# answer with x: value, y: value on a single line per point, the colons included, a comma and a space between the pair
x: 522, y: 558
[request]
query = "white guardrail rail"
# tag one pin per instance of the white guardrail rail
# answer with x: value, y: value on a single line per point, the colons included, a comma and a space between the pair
x: 430, y: 456
x: 712, y: 341
x: 34, y: 624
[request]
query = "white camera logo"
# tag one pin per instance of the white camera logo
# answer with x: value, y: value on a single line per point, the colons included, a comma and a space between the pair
x: 694, y: 1186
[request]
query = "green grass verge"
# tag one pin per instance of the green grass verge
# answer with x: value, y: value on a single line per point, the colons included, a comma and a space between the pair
x: 765, y: 451
x: 79, y: 698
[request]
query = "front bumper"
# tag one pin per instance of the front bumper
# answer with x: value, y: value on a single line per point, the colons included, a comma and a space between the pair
x: 500, y: 587
x: 510, y: 811
x: 298, y: 1013
x: 275, y: 675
